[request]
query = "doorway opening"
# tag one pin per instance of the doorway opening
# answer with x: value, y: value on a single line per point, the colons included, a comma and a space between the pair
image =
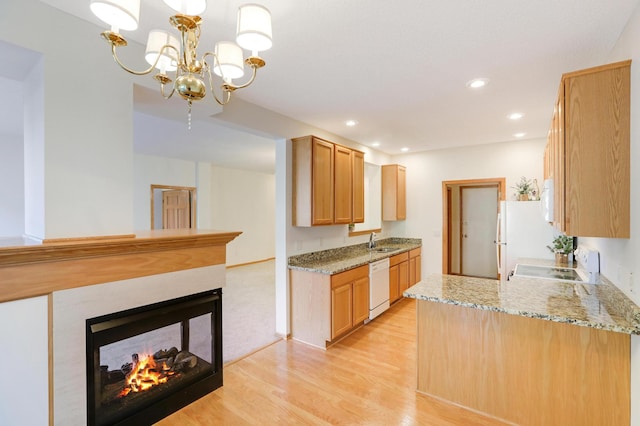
x: 470, y: 209
x: 173, y: 207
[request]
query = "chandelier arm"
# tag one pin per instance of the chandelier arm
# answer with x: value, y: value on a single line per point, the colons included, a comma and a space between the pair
x: 173, y: 90
x: 242, y: 86
x: 148, y: 70
x: 226, y: 94
x: 254, y: 69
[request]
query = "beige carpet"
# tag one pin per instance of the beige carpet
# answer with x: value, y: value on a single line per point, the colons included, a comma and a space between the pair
x: 248, y: 310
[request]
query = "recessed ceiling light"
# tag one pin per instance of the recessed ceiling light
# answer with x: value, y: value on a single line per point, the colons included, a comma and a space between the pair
x: 351, y: 123
x: 515, y: 116
x: 375, y: 144
x: 405, y: 149
x: 477, y: 83
x: 519, y: 135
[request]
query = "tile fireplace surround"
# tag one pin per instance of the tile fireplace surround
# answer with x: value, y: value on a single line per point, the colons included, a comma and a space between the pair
x: 86, y: 278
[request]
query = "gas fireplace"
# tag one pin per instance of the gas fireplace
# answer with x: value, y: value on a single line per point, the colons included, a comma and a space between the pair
x: 145, y: 363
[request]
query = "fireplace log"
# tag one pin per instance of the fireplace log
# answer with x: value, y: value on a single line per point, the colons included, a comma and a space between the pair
x: 184, y: 360
x: 163, y: 353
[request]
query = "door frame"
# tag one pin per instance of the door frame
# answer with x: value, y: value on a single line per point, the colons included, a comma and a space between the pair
x: 446, y: 209
x: 192, y: 201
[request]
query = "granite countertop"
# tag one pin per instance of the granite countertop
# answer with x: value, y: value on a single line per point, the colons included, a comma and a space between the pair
x: 602, y: 306
x: 338, y: 260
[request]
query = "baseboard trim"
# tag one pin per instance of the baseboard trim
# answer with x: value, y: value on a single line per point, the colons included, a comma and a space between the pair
x: 251, y: 353
x: 250, y: 263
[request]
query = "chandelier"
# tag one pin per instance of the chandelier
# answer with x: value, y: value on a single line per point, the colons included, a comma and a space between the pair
x: 169, y: 53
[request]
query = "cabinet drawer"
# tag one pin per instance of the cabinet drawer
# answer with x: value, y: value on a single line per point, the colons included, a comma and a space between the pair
x: 415, y: 252
x: 349, y: 276
x: 399, y: 258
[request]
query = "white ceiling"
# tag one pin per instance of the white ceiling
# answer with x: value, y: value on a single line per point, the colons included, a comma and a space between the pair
x: 400, y: 68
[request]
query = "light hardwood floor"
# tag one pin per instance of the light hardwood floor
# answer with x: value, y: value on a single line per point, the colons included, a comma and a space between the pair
x: 369, y: 378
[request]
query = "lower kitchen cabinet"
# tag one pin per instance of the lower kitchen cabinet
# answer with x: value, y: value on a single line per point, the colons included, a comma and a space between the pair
x: 326, y: 307
x: 341, y: 309
x: 349, y: 300
x: 415, y: 266
x: 398, y: 275
x: 361, y: 299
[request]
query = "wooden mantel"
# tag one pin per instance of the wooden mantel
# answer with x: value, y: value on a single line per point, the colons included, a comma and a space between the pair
x: 29, y: 269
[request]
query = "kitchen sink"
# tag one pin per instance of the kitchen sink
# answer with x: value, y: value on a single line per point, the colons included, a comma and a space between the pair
x: 385, y: 249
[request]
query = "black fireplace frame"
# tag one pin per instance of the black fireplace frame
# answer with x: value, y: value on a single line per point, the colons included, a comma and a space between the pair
x: 117, y: 326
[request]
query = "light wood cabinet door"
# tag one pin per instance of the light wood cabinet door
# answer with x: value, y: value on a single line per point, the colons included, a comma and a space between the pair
x: 394, y: 194
x: 415, y: 260
x: 398, y: 275
x: 327, y: 183
x: 343, y: 185
x: 403, y: 277
x: 597, y: 152
x: 341, y: 309
x: 360, y: 300
x: 358, y: 186
x: 558, y: 163
x: 394, y: 288
x: 588, y: 152
x: 322, y: 170
x: 402, y: 193
x: 414, y: 270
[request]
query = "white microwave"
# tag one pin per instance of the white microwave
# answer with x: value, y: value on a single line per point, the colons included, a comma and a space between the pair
x: 546, y: 198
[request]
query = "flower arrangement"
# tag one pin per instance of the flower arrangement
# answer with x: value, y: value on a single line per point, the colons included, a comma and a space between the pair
x: 523, y: 188
x: 562, y: 244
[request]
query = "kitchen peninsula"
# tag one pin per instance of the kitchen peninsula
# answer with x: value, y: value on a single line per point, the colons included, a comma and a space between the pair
x: 527, y: 351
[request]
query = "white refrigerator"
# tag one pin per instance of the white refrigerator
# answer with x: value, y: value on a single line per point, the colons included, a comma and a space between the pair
x: 521, y: 232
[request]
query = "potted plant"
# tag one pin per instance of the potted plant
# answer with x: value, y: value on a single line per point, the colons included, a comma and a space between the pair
x: 562, y: 246
x: 523, y: 189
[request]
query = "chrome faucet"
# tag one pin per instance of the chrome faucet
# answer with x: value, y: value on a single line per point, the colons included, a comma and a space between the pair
x: 372, y: 240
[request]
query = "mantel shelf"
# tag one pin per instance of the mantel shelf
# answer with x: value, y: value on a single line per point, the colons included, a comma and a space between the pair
x: 29, y: 268
x: 142, y: 242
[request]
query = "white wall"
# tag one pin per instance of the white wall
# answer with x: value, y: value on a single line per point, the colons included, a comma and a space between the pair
x: 87, y: 123
x: 24, y: 339
x: 227, y: 199
x: 427, y: 170
x: 12, y: 189
x: 244, y: 201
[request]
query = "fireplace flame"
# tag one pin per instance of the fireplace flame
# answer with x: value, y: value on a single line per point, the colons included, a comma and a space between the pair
x: 144, y: 375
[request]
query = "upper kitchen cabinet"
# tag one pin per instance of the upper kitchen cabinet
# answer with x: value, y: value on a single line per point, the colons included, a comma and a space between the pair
x: 587, y: 153
x: 357, y: 169
x: 394, y: 193
x: 328, y: 183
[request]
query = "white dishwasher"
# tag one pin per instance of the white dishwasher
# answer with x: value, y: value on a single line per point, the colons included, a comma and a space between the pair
x: 378, y: 287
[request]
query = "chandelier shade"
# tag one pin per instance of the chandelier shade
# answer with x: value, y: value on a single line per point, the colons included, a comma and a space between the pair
x: 187, y: 7
x: 254, y: 28
x: 119, y: 14
x: 229, y: 63
x: 157, y: 52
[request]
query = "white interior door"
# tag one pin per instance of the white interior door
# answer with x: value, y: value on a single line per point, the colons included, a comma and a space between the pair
x: 479, y: 209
